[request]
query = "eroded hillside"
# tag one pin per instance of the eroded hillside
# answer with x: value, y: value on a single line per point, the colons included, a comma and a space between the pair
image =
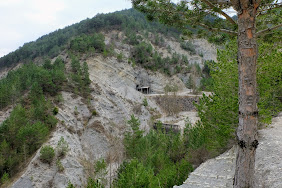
x: 93, y: 127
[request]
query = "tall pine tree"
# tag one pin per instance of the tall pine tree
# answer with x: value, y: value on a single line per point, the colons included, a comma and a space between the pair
x: 197, y: 13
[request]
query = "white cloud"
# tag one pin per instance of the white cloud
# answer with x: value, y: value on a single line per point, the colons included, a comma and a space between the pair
x: 5, y: 3
x: 26, y: 20
x: 44, y: 12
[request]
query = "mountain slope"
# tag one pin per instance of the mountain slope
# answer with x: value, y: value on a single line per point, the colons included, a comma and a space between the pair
x: 52, y: 44
x: 92, y: 120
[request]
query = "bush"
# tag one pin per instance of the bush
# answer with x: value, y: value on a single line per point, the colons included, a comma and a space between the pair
x: 92, y: 183
x: 119, y: 57
x: 170, y: 88
x: 47, y: 153
x: 157, y: 159
x: 188, y: 46
x: 135, y: 174
x: 55, y: 110
x: 4, y: 178
x: 145, y: 102
x: 86, y: 43
x: 62, y: 147
x: 70, y: 185
x: 94, y: 113
x: 59, y: 165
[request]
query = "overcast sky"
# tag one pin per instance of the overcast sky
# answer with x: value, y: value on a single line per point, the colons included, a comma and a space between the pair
x: 26, y: 20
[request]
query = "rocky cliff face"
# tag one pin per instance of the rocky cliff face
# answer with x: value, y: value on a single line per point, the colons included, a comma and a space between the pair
x: 94, y: 128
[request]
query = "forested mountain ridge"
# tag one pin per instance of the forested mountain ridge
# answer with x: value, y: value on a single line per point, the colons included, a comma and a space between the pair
x: 90, y: 125
x: 52, y: 44
x: 78, y: 100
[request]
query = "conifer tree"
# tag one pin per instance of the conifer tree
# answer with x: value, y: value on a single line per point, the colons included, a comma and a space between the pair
x: 247, y: 29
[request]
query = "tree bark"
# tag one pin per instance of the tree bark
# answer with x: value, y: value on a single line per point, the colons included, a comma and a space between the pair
x: 248, y: 111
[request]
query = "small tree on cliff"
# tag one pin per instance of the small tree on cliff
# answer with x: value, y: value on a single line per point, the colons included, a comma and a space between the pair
x: 196, y: 13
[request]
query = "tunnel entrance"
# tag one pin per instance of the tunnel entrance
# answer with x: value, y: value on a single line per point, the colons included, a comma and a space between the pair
x: 143, y: 89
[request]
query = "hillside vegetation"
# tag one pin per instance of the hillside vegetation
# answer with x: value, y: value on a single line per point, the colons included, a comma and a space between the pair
x: 116, y: 44
x: 52, y: 44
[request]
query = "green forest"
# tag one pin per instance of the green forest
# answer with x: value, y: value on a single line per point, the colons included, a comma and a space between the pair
x: 52, y: 44
x: 155, y: 159
x: 34, y: 91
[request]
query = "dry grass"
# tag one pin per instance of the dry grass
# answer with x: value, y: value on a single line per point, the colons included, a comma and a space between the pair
x: 168, y: 104
x: 97, y: 126
x: 173, y: 104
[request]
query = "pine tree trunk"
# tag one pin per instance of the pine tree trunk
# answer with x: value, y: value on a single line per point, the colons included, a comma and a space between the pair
x: 248, y: 111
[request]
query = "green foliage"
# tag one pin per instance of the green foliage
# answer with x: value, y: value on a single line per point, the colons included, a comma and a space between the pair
x: 32, y: 136
x: 4, y: 178
x: 132, y: 38
x: 119, y: 57
x: 187, y: 45
x: 100, y: 171
x: 144, y: 55
x: 55, y: 110
x: 70, y: 185
x: 100, y: 167
x: 86, y: 43
x: 142, y: 52
x: 92, y: 183
x: 80, y: 77
x: 269, y: 80
x: 131, y: 140
x: 31, y: 120
x: 39, y: 79
x: 94, y: 113
x: 207, y: 81
x: 62, y: 147
x: 155, y: 160
x: 59, y: 98
x: 190, y: 83
x: 170, y: 88
x: 52, y: 44
x: 59, y: 165
x: 47, y: 153
x: 206, y: 84
x: 47, y: 64
x: 135, y: 174
x: 145, y: 102
x: 219, y: 112
x: 85, y: 72
x: 218, y: 39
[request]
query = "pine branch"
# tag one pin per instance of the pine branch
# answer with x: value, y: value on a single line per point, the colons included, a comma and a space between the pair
x: 264, y: 11
x: 219, y: 30
x: 216, y: 9
x: 267, y: 30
